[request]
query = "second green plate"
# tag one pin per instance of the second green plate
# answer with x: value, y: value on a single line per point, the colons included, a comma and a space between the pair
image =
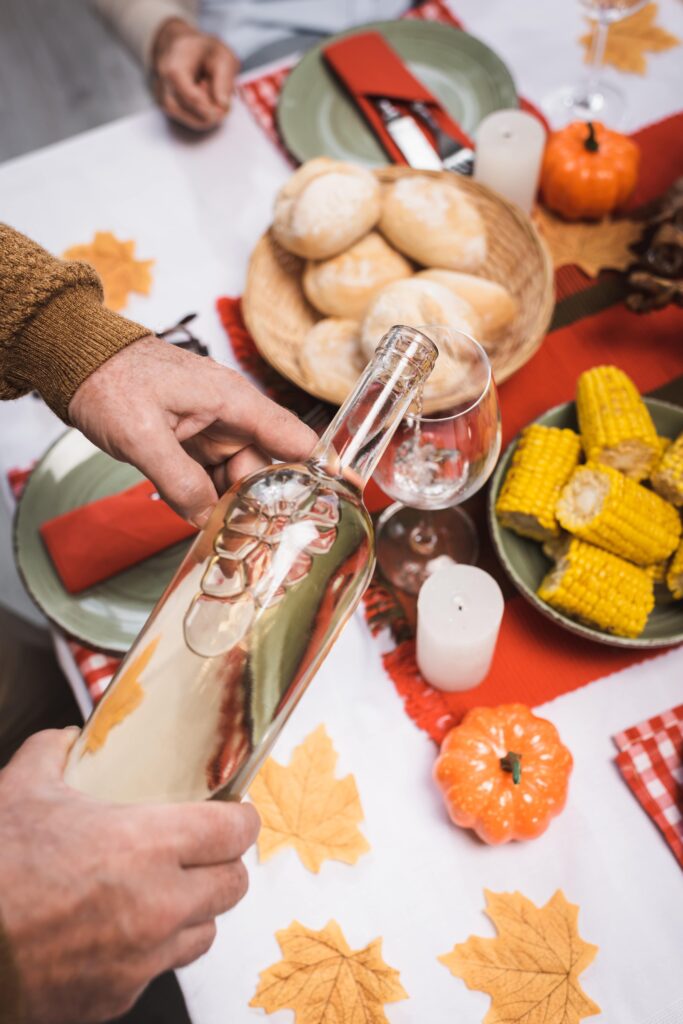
x: 111, y: 614
x: 316, y: 117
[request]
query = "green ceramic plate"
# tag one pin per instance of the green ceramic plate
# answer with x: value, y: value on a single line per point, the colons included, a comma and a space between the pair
x: 317, y: 118
x: 110, y: 615
x: 526, y: 565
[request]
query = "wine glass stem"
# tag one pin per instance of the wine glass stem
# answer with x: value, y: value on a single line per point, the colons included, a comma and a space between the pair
x: 423, y: 538
x: 597, y: 56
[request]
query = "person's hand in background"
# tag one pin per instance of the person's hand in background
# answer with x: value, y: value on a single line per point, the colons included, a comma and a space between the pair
x: 193, y: 74
x: 190, y: 425
x: 97, y: 899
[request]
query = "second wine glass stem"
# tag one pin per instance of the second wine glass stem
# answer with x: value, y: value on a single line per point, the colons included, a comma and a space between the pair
x: 597, y: 56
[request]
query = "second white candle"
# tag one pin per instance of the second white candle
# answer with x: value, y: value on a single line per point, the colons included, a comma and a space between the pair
x: 459, y: 611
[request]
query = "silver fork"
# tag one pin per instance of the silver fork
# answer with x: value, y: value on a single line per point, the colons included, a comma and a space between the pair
x: 453, y: 155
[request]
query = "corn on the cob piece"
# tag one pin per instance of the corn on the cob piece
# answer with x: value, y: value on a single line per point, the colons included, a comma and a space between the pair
x: 674, y: 577
x: 615, y: 425
x: 667, y: 478
x: 606, y: 591
x: 542, y: 463
x: 605, y: 508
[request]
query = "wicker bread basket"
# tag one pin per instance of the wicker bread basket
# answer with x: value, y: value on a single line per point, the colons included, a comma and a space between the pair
x: 278, y: 315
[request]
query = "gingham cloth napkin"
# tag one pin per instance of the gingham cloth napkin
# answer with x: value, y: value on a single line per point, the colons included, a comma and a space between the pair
x: 650, y: 759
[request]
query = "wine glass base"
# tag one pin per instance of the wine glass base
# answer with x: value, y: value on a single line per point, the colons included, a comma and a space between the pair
x: 408, y: 541
x: 604, y: 103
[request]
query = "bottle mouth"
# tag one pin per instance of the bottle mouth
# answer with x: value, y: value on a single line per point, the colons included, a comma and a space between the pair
x: 411, y: 345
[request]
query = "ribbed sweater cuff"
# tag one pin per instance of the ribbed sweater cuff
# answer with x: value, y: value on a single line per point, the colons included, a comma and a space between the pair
x: 11, y: 1000
x: 67, y: 339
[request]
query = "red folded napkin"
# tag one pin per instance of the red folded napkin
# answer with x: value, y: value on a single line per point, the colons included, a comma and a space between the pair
x: 368, y: 67
x: 99, y: 540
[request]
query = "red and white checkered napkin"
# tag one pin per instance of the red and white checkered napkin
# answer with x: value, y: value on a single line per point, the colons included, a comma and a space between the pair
x: 96, y: 668
x: 651, y: 760
x: 261, y: 92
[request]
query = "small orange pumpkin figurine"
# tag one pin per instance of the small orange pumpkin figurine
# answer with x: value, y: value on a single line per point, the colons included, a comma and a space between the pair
x: 588, y: 170
x: 504, y: 773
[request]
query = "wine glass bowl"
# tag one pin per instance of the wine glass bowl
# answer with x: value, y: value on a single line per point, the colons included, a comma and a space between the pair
x: 435, y: 463
x: 593, y: 99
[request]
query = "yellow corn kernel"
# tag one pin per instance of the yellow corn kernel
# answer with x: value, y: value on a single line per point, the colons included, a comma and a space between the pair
x: 615, y: 425
x: 605, y: 508
x: 601, y: 589
x: 674, y: 577
x: 543, y: 461
x: 667, y: 478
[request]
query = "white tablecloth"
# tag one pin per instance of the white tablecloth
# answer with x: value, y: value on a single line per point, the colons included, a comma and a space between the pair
x: 197, y: 207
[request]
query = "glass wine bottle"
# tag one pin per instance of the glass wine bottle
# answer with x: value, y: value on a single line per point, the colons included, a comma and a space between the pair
x: 252, y: 611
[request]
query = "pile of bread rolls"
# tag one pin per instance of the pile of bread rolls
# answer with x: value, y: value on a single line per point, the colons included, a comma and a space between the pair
x: 377, y: 255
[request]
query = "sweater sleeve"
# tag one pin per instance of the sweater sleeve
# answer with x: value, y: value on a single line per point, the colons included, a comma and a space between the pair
x: 54, y: 330
x: 138, y: 21
x: 11, y: 1011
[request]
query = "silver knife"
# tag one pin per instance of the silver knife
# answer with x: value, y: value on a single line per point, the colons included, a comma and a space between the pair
x: 408, y: 136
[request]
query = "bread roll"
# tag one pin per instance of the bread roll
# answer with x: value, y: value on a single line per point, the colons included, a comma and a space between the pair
x: 494, y: 304
x: 432, y: 221
x: 330, y: 358
x: 416, y: 303
x: 344, y: 284
x: 324, y: 207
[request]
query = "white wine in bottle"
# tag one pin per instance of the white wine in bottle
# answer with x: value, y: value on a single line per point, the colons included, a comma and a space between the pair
x: 252, y: 611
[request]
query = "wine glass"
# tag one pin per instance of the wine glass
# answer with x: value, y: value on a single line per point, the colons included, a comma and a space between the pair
x: 435, y: 462
x: 593, y: 99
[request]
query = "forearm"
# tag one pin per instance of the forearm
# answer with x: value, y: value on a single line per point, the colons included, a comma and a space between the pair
x: 138, y: 21
x: 54, y: 330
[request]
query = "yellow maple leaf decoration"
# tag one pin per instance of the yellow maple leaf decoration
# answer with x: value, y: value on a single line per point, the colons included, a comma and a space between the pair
x: 592, y: 247
x: 304, y: 806
x: 531, y: 969
x: 115, y: 262
x: 630, y: 39
x: 121, y: 702
x: 326, y: 982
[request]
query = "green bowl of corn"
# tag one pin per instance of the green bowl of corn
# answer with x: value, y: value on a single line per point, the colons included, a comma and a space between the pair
x: 527, y: 566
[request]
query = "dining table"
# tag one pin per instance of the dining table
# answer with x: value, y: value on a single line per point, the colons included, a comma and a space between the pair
x: 196, y: 205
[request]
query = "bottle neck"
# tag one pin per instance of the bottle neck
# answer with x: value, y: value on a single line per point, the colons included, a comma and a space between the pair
x: 358, y: 435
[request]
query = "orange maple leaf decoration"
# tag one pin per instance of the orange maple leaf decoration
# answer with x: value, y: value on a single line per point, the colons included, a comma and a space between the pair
x: 304, y: 806
x: 121, y: 702
x: 115, y: 262
x: 326, y: 982
x: 592, y: 247
x: 531, y: 969
x: 630, y: 39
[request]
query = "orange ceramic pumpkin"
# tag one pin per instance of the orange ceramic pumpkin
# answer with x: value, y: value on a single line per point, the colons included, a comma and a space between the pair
x: 588, y: 170
x: 504, y: 773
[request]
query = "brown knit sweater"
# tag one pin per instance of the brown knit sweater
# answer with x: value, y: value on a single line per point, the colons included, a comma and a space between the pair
x: 54, y: 331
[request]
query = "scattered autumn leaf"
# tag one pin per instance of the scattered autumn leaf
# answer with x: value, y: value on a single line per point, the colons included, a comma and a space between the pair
x: 326, y: 982
x: 592, y: 247
x: 121, y: 702
x: 531, y: 969
x: 304, y: 806
x: 115, y: 262
x: 630, y: 39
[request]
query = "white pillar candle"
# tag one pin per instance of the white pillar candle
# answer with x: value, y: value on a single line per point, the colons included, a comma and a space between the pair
x: 510, y: 146
x: 459, y: 610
